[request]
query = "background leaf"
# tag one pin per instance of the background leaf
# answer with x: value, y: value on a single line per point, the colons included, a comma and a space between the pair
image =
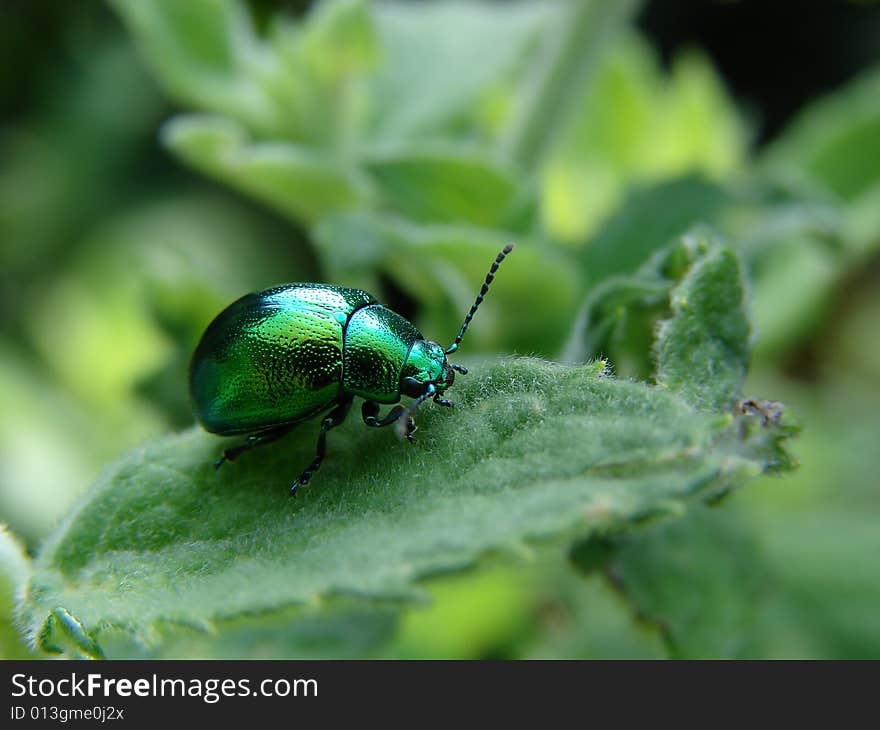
x: 441, y: 266
x: 700, y: 580
x: 817, y: 526
x: 198, y: 51
x: 301, y: 181
x: 833, y: 143
x: 648, y: 219
x: 441, y: 60
x: 702, y: 351
x: 448, y: 184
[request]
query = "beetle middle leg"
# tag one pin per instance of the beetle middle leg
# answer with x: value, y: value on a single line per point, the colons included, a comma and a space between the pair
x: 266, y: 437
x: 333, y: 419
x: 370, y: 413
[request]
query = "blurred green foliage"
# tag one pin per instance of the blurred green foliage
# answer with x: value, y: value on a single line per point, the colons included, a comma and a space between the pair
x: 397, y: 146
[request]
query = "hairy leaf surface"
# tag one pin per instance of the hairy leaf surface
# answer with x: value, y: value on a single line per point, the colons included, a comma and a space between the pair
x: 533, y: 451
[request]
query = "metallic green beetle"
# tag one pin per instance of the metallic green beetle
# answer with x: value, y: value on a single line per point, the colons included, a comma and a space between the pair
x: 275, y: 358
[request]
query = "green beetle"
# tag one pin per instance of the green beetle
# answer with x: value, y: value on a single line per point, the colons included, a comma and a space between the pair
x: 275, y: 358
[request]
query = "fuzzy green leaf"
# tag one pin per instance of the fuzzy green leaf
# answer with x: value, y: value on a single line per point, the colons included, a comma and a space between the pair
x: 632, y: 265
x: 14, y: 569
x: 533, y: 451
x: 339, y: 629
x: 702, y: 351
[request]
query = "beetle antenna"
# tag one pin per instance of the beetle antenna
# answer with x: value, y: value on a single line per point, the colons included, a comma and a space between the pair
x: 483, y: 291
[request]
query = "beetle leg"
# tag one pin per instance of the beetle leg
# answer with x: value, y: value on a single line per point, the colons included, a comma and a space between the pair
x: 232, y: 453
x: 409, y: 425
x: 331, y: 420
x: 410, y: 429
x: 370, y: 411
x: 443, y: 402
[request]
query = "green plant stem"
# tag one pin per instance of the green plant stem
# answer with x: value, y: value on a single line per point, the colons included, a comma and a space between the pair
x: 559, y: 78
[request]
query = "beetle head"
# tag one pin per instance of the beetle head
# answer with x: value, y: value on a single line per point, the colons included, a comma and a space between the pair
x: 426, y: 371
x: 426, y: 374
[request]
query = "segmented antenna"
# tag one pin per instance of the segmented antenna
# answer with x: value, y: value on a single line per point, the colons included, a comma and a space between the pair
x: 483, y: 291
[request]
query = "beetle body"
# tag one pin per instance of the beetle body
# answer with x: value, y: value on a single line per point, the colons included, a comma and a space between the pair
x: 278, y: 357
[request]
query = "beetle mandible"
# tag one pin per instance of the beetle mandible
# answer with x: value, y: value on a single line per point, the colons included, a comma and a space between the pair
x: 277, y: 357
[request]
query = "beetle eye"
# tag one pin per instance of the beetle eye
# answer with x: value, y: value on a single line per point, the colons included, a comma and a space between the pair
x: 412, y: 387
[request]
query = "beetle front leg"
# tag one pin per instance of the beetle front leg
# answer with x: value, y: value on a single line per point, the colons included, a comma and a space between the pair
x: 331, y: 420
x: 370, y: 411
